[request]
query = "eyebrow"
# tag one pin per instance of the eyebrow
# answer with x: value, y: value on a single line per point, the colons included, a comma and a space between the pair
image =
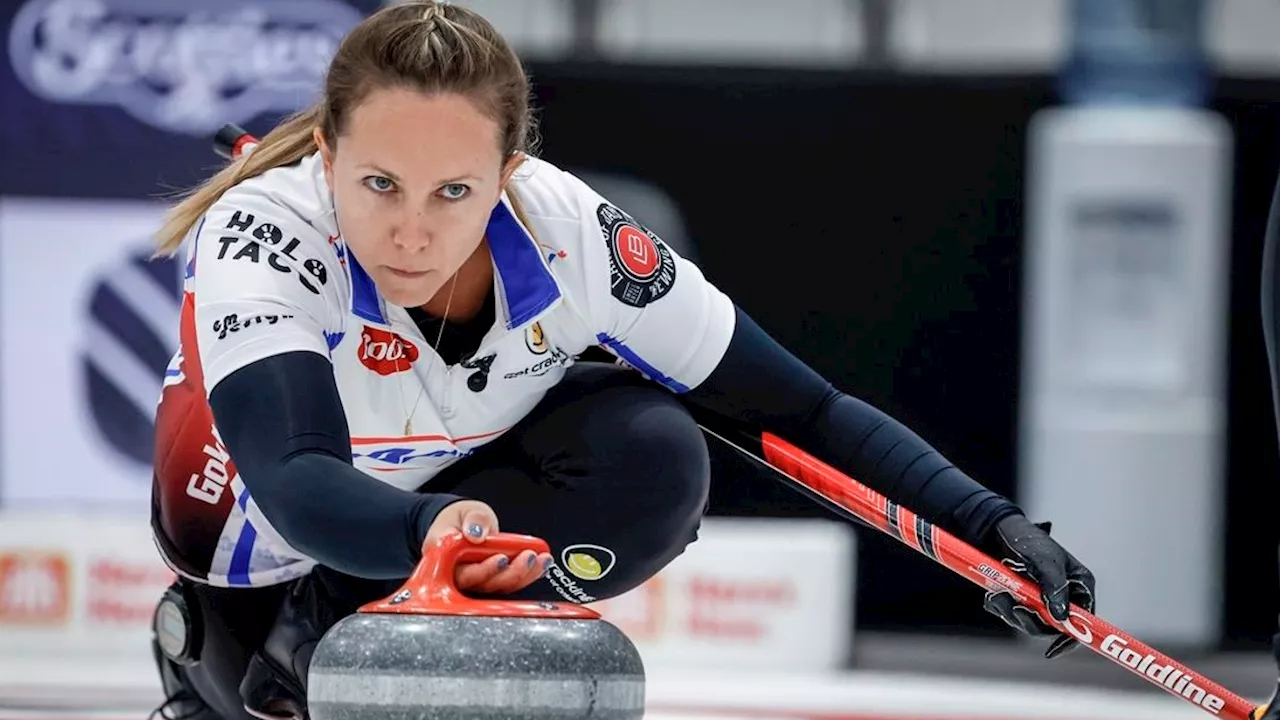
x: 396, y: 178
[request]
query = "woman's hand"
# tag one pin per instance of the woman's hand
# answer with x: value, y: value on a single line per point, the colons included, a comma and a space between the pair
x: 498, y: 574
x: 1027, y: 549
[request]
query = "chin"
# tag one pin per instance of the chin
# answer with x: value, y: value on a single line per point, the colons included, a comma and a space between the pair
x: 398, y: 292
x: 408, y: 300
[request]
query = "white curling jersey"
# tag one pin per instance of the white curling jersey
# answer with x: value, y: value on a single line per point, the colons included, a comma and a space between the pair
x: 267, y: 273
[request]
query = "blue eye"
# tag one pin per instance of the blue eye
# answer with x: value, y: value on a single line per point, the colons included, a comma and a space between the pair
x: 379, y: 184
x: 454, y: 191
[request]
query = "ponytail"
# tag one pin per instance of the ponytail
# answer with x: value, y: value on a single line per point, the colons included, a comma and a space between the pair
x: 286, y: 144
x: 518, y: 207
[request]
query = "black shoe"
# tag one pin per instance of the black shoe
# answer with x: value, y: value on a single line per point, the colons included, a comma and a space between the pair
x: 275, y: 683
x: 183, y: 705
x: 271, y: 692
x: 181, y: 702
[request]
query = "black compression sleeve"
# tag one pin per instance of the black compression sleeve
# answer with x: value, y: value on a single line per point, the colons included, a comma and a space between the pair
x: 760, y: 383
x: 284, y: 427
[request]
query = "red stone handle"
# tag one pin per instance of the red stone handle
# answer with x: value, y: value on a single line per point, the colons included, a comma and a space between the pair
x: 431, y: 589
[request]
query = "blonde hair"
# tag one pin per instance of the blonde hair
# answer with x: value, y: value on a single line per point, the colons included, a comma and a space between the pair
x: 429, y: 46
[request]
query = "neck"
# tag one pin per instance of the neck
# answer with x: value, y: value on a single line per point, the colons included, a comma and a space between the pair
x: 473, y: 281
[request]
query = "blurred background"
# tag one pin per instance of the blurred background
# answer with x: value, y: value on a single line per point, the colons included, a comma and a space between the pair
x: 1032, y: 230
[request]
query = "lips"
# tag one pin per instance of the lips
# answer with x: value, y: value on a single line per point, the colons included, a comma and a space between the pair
x: 408, y: 274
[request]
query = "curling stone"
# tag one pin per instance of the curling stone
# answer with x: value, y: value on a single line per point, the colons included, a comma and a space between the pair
x: 430, y: 652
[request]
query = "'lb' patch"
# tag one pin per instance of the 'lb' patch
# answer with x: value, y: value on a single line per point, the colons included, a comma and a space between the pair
x: 641, y: 266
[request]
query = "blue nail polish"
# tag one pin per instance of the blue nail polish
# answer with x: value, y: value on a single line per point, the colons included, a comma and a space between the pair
x: 546, y: 564
x: 474, y: 530
x: 503, y: 561
x: 533, y: 560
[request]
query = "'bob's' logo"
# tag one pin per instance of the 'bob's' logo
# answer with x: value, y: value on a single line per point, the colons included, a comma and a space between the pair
x: 385, y: 352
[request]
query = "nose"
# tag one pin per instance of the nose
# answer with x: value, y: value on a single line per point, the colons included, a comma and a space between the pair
x: 413, y: 233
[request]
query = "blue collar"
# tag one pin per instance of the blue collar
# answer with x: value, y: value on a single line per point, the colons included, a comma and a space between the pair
x: 525, y: 283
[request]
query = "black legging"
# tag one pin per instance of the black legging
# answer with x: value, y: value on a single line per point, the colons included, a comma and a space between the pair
x: 606, y: 460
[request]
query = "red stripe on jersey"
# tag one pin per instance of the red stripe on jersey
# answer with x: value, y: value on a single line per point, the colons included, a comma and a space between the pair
x: 423, y: 438
x: 192, y: 484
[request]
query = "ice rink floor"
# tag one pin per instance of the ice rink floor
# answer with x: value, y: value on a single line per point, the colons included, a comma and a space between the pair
x: 81, y: 691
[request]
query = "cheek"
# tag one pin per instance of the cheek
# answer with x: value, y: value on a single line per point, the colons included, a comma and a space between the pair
x: 360, y: 222
x: 477, y: 213
x: 471, y: 224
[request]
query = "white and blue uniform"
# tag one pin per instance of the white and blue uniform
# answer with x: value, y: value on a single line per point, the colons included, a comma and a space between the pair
x: 354, y: 428
x: 268, y: 273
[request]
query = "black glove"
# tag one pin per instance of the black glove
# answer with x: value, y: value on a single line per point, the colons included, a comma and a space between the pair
x: 1027, y: 549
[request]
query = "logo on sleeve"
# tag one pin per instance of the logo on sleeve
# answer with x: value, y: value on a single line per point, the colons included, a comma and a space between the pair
x: 234, y: 323
x: 548, y: 357
x: 641, y: 266
x: 385, y: 352
x: 270, y: 237
x: 535, y: 339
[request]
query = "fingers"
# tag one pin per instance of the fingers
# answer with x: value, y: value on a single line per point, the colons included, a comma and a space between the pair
x: 1050, y: 572
x: 474, y: 519
x: 1020, y: 618
x: 471, y: 575
x: 1058, y: 600
x: 1063, y: 582
x: 1003, y: 606
x: 1063, y: 645
x: 523, y: 571
x: 1062, y: 579
x: 497, y: 574
x: 1083, y: 587
x: 478, y: 523
x: 501, y: 575
x: 1041, y: 558
x: 1081, y: 590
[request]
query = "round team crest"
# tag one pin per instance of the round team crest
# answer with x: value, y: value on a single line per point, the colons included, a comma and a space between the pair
x: 641, y: 265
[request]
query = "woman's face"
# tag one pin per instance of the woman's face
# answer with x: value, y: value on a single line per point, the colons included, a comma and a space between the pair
x: 414, y: 179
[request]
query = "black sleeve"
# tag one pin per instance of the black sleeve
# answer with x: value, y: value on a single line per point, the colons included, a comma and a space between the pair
x: 284, y: 427
x: 761, y: 384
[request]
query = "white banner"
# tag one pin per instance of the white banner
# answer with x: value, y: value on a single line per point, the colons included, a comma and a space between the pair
x: 758, y: 594
x: 90, y: 324
x: 749, y: 594
x: 78, y: 585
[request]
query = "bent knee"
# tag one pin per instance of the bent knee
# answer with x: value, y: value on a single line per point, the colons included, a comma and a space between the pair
x: 668, y: 477
x: 652, y: 444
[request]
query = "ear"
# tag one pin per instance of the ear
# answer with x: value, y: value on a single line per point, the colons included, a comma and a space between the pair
x: 509, y: 168
x: 326, y: 155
